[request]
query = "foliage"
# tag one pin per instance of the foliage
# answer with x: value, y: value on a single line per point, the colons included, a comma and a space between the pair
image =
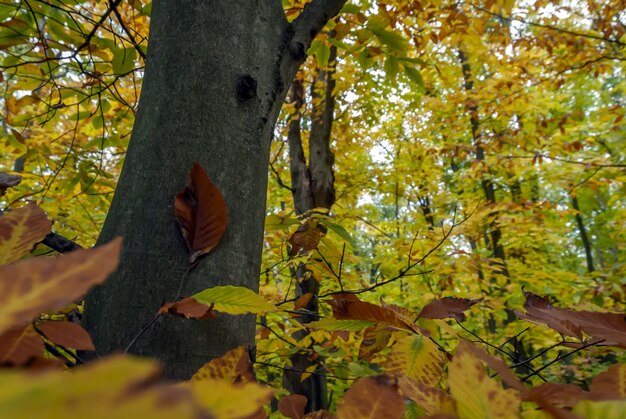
x: 480, y: 207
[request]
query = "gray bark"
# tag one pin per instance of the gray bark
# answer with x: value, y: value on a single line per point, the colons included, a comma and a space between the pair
x: 217, y: 73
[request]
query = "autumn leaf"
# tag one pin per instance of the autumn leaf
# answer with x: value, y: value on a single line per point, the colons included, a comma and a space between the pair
x: 478, y: 396
x: 447, y: 308
x: 349, y: 307
x: 332, y: 325
x: 565, y: 395
x: 8, y: 181
x: 234, y: 366
x: 372, y: 397
x: 416, y: 357
x: 306, y: 237
x: 20, y: 230
x: 67, y: 334
x: 201, y: 212
x: 234, y: 300
x: 375, y: 339
x: 20, y: 345
x: 189, y: 309
x: 227, y: 400
x: 114, y: 387
x: 610, y: 384
x: 608, y: 327
x: 432, y: 400
x: 32, y: 286
x: 302, y: 301
x: 292, y: 406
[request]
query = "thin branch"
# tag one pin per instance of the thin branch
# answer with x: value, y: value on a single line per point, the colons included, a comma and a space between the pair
x: 313, y: 18
x: 113, y: 6
x: 560, y: 357
x: 59, y: 243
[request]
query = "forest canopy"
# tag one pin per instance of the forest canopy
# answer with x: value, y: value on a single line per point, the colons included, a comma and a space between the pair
x: 444, y: 229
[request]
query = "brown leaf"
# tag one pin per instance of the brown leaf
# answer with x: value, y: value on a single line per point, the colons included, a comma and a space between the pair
x: 611, y: 384
x: 32, y: 286
x: 20, y: 346
x: 432, y: 399
x: 189, y: 309
x: 234, y: 366
x: 349, y: 307
x: 495, y: 364
x: 565, y: 395
x: 375, y: 339
x: 8, y: 181
x: 306, y: 237
x: 20, y: 230
x: 319, y: 414
x: 372, y: 397
x: 292, y: 406
x: 447, y: 308
x: 303, y: 300
x: 67, y: 334
x: 610, y: 327
x: 201, y: 212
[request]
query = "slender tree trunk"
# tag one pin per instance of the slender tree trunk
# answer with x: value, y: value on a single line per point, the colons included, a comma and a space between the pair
x: 312, y: 187
x: 216, y: 76
x: 495, y: 233
x: 583, y: 235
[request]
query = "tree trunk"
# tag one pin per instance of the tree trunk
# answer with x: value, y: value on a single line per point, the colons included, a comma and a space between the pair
x: 216, y: 76
x: 583, y: 234
x: 312, y: 186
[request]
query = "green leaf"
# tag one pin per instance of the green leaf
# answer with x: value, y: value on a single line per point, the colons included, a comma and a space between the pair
x: 123, y: 60
x: 234, y: 300
x: 415, y: 76
x: 341, y: 232
x: 393, y: 40
x: 351, y: 8
x: 332, y: 325
x: 391, y: 67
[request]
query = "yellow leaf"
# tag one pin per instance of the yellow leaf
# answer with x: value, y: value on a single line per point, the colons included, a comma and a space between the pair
x: 32, y: 286
x: 234, y: 366
x: 234, y: 300
x: 610, y: 409
x: 478, y: 396
x: 416, y: 357
x: 228, y: 400
x: 20, y: 230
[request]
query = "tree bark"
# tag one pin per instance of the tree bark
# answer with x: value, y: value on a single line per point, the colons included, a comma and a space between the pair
x: 312, y: 186
x: 216, y: 76
x: 583, y: 234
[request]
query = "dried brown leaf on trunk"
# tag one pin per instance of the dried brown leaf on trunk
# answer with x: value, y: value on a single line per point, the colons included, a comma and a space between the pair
x: 20, y: 230
x: 372, y: 397
x: 447, y: 308
x: 32, y: 286
x: 292, y: 406
x: 189, y: 309
x: 608, y: 327
x: 201, y: 212
x: 67, y: 334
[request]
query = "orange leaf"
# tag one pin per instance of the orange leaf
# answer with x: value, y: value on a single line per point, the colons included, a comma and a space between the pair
x: 372, y: 397
x: 201, y: 212
x: 566, y: 395
x: 447, y: 308
x: 67, y: 334
x: 292, y: 406
x: 610, y: 327
x: 349, y: 307
x: 375, y: 339
x: 20, y: 230
x: 234, y: 366
x: 40, y: 284
x: 189, y: 309
x: 306, y: 237
x: 20, y: 345
x: 303, y: 300
x: 611, y: 384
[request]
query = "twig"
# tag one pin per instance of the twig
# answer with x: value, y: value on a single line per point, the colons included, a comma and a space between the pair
x: 113, y: 6
x: 560, y: 357
x: 141, y: 332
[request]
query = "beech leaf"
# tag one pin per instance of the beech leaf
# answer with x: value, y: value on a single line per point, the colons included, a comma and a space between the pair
x: 292, y: 406
x: 349, y: 307
x: 20, y: 230
x: 416, y: 357
x: 608, y: 327
x: 234, y: 366
x: 201, y: 212
x: 20, y: 345
x: 32, y: 286
x: 189, y: 309
x: 372, y: 397
x: 447, y: 308
x: 307, y: 237
x: 67, y: 334
x: 234, y: 300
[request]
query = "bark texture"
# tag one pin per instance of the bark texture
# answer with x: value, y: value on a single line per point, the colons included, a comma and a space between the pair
x: 216, y: 75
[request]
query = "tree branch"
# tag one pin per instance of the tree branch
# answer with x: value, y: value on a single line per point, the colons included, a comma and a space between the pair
x: 313, y: 18
x: 60, y: 244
